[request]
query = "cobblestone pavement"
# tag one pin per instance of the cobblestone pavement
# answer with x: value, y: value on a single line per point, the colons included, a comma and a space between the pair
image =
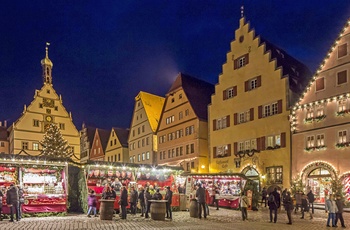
x: 218, y: 219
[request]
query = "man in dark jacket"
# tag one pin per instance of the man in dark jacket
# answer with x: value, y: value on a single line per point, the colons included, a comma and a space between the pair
x: 311, y: 198
x: 168, y: 197
x: 12, y: 201
x: 148, y: 197
x: 133, y: 200
x: 339, y: 215
x: 1, y: 196
x: 200, y: 194
x: 157, y: 195
x: 124, y: 201
x: 142, y: 200
x: 274, y: 202
x: 288, y: 205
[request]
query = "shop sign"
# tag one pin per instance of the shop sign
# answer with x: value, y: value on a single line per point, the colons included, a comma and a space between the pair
x: 222, y: 163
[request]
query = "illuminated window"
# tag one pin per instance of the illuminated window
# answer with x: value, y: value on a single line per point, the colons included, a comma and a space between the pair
x: 310, y: 141
x: 342, y: 137
x: 222, y: 151
x: 247, y: 145
x: 143, y: 156
x: 170, y: 119
x: 241, y: 146
x: 35, y: 146
x: 320, y: 140
x: 342, y: 105
x: 147, y: 155
x: 309, y: 113
x: 275, y: 174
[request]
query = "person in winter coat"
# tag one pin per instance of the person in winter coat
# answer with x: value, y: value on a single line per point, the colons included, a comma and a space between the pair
x: 332, y: 209
x: 133, y: 200
x: 298, y: 201
x: 1, y: 196
x: 244, y: 205
x: 311, y: 198
x: 288, y: 205
x: 339, y: 215
x: 305, y: 207
x: 168, y: 198
x: 124, y: 201
x: 12, y: 201
x: 157, y: 195
x: 274, y: 202
x: 264, y: 196
x: 20, y: 201
x: 148, y: 197
x: 108, y: 193
x: 200, y: 194
x: 142, y: 201
x: 92, y: 203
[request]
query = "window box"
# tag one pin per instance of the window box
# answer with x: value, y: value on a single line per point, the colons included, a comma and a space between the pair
x: 320, y: 118
x: 342, y: 145
x: 342, y: 113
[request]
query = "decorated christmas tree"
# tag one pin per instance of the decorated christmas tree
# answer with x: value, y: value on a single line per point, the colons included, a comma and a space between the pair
x: 53, y: 143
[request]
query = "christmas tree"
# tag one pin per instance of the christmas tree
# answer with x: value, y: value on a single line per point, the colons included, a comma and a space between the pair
x: 53, y: 143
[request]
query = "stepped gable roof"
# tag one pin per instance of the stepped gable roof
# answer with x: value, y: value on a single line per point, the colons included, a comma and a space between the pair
x: 3, y: 133
x: 90, y: 131
x: 153, y: 105
x: 197, y: 91
x: 298, y: 73
x: 104, y: 136
x: 122, y: 135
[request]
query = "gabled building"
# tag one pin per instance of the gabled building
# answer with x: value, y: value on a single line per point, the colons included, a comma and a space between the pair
x: 87, y: 134
x: 249, y: 130
x: 183, y: 127
x: 117, y: 146
x: 47, y: 107
x: 143, y: 145
x: 99, y: 145
x: 321, y: 123
x: 4, y: 143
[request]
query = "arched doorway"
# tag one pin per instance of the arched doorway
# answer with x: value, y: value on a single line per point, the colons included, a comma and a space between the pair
x: 318, y: 177
x: 252, y: 174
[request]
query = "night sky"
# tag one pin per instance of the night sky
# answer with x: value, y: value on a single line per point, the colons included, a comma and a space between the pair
x: 105, y: 52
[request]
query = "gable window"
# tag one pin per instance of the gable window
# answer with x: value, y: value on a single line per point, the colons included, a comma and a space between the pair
x: 252, y: 83
x: 147, y: 140
x: 24, y: 145
x: 230, y: 92
x: 342, y: 77
x: 160, y: 156
x: 342, y: 50
x: 320, y: 84
x: 147, y: 155
x: 180, y: 115
x: 170, y: 119
x: 35, y: 146
x: 187, y: 112
x: 241, y: 61
x: 342, y: 137
x: 143, y: 156
x: 36, y: 123
x: 62, y: 126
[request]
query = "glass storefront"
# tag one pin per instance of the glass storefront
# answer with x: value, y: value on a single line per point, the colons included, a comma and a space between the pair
x: 319, y: 181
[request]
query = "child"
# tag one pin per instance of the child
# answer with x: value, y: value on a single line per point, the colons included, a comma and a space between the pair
x: 92, y: 201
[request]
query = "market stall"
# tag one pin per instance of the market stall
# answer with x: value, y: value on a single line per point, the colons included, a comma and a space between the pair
x: 225, y: 187
x: 44, y: 184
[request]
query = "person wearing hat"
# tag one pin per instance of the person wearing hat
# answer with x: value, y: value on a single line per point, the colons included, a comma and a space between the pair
x: 12, y: 201
x: 168, y: 198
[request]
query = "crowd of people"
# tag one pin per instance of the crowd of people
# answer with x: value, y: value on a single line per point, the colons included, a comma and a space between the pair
x: 141, y: 196
x: 334, y: 206
x: 14, y: 200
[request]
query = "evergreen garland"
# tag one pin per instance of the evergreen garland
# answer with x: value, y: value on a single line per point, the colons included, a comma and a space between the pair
x: 54, y: 145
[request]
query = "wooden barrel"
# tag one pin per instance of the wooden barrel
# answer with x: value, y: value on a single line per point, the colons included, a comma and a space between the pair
x: 106, y: 209
x: 158, y: 209
x: 194, y: 209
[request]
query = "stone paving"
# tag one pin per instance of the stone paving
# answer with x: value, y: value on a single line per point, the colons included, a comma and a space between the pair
x: 218, y: 219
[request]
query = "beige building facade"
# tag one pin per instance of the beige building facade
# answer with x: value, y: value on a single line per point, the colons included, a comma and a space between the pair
x: 249, y: 131
x: 143, y: 145
x: 183, y: 128
x: 321, y: 123
x: 117, y: 146
x: 47, y: 107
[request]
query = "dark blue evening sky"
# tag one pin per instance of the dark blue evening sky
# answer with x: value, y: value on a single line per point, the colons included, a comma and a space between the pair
x: 104, y: 52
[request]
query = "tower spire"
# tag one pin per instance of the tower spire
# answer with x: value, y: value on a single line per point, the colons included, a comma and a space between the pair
x: 47, y: 65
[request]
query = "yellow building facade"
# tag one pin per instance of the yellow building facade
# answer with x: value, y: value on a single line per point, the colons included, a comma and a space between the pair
x: 143, y: 145
x: 249, y: 131
x: 47, y: 107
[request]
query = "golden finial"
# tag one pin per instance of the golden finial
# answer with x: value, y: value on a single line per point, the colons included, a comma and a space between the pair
x: 47, y: 49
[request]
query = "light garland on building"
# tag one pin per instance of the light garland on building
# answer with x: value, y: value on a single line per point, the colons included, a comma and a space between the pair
x: 318, y: 163
x: 298, y: 105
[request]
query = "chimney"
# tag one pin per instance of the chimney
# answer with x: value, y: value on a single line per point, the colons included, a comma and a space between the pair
x: 5, y: 123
